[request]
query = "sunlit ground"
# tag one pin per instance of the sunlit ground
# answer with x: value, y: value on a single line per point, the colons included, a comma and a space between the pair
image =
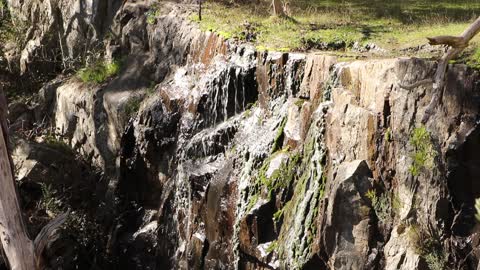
x: 339, y: 25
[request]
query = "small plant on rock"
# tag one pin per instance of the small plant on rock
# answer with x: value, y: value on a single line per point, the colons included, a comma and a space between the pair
x: 272, y: 247
x: 428, y: 246
x: 424, y: 154
x: 152, y: 14
x: 477, y: 208
x: 99, y: 72
x: 49, y: 202
x: 132, y: 107
x: 381, y: 205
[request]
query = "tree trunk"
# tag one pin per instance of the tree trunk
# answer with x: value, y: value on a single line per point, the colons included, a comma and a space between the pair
x: 21, y: 252
x: 277, y: 8
x: 13, y: 234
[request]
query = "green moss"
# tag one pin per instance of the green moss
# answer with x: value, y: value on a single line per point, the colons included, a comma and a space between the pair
x: 473, y: 60
x: 424, y: 154
x: 278, y: 215
x: 152, y: 14
x: 477, y: 208
x: 252, y: 201
x: 388, y: 135
x: 99, y: 72
x: 396, y: 203
x: 299, y: 102
x: 12, y: 30
x: 311, y: 181
x: 272, y: 247
x: 247, y: 113
x: 279, y: 137
x: 150, y: 90
x: 282, y: 177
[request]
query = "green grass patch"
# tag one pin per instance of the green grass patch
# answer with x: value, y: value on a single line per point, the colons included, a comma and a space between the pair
x: 99, y: 72
x: 337, y: 25
x: 428, y: 246
x: 473, y: 60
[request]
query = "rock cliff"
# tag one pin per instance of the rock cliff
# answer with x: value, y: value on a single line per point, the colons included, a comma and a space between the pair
x: 213, y: 155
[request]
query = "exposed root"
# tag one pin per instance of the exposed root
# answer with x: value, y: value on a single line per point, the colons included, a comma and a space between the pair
x: 415, y: 84
x: 46, y: 235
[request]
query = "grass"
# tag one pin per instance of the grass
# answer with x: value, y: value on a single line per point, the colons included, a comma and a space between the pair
x: 473, y: 60
x: 337, y: 25
x: 132, y: 107
x: 99, y: 72
x: 58, y: 144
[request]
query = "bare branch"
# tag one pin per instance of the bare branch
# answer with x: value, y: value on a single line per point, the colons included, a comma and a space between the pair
x: 456, y: 46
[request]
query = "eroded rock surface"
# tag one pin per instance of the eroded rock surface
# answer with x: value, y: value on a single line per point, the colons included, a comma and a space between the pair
x: 216, y: 156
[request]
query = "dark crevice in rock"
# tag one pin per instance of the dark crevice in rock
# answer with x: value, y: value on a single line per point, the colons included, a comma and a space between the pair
x: 464, y: 172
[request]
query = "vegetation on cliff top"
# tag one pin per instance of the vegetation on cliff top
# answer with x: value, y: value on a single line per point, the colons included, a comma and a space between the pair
x: 332, y: 25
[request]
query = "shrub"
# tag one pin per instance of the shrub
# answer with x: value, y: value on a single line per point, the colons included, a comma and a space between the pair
x: 381, y: 205
x: 428, y: 246
x: 424, y: 153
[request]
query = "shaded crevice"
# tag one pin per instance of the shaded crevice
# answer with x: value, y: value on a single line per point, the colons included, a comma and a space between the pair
x: 463, y: 184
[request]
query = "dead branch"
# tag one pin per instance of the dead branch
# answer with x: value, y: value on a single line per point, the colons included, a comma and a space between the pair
x: 456, y: 44
x: 21, y: 252
x: 47, y: 235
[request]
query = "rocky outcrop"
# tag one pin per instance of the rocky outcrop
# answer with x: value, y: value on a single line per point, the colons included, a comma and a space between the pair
x: 347, y: 219
x: 62, y: 31
x: 216, y: 156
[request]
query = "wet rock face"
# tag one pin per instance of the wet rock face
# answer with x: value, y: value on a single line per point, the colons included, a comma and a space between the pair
x: 237, y: 159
